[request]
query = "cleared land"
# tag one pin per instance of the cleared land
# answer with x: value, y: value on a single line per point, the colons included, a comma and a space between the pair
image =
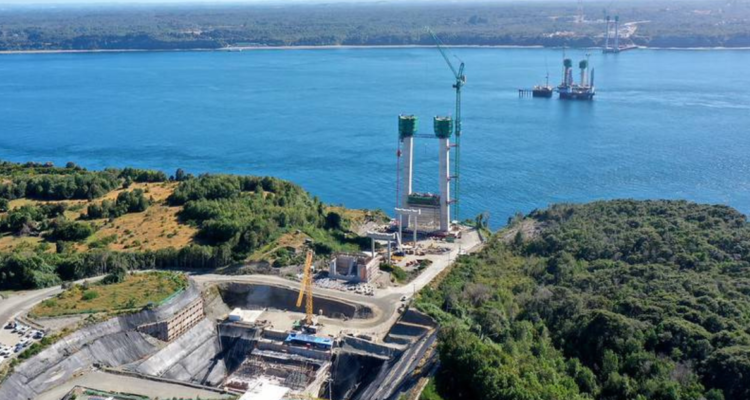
x: 137, y: 291
x: 156, y: 228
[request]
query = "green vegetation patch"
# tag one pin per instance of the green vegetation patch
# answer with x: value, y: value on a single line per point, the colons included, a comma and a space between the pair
x: 236, y: 218
x: 610, y: 300
x: 127, y: 202
x: 430, y: 392
x: 134, y: 292
x: 397, y: 273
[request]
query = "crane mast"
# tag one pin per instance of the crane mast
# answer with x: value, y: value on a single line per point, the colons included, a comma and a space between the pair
x: 306, y: 288
x: 458, y: 74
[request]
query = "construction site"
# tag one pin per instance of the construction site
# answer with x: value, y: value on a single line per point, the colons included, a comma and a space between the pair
x: 342, y: 328
x: 263, y: 337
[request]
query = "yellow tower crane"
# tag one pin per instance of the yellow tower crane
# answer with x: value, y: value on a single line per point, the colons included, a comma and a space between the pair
x: 306, y: 287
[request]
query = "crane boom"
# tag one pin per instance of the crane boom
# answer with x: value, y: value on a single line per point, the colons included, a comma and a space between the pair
x: 444, y: 54
x: 460, y: 81
x: 306, y: 288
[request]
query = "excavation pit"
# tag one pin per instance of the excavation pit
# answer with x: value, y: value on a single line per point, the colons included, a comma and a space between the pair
x: 256, y: 296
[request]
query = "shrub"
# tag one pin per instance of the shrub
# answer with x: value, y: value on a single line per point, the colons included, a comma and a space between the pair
x: 117, y: 276
x: 396, y: 272
x: 71, y: 231
x: 90, y: 295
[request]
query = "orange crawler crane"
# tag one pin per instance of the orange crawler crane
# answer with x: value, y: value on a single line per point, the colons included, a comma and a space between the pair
x: 306, y: 287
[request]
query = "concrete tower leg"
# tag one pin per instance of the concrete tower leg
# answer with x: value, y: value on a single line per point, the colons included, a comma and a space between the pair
x: 445, y: 195
x: 606, y: 41
x: 401, y: 225
x: 415, y: 232
x: 617, y: 33
x: 407, y: 154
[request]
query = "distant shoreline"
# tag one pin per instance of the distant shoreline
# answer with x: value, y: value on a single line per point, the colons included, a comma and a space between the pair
x: 343, y: 47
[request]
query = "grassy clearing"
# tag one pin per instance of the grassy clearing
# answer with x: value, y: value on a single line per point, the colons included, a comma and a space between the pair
x: 9, y: 243
x: 292, y: 240
x: 136, y: 292
x: 354, y: 218
x: 156, y: 228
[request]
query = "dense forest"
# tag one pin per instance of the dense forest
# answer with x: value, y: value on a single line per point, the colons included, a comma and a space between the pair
x: 50, y: 217
x: 661, y: 23
x: 609, y: 300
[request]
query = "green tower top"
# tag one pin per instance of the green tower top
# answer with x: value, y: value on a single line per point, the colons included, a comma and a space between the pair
x: 443, y: 127
x: 408, y: 125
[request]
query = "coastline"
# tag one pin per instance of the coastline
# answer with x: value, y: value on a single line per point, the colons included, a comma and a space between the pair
x: 344, y: 47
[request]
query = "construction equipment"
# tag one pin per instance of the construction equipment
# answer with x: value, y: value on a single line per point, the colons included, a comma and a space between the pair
x: 458, y: 74
x: 306, y: 288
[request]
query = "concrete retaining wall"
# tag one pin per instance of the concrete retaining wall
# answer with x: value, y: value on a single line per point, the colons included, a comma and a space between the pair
x: 351, y: 371
x: 275, y: 335
x: 236, y: 343
x: 193, y: 357
x: 413, y: 316
x: 403, y: 329
x: 112, y: 343
x: 300, y: 351
x: 369, y: 347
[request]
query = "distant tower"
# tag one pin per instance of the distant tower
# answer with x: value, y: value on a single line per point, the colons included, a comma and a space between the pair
x: 579, y: 13
x: 433, y: 210
x: 568, y: 72
x: 617, y: 33
x: 407, y: 128
x: 583, y: 65
x: 606, y: 40
x: 443, y: 131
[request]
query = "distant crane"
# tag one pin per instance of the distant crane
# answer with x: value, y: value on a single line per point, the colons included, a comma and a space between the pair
x: 460, y: 82
x: 580, y: 16
x: 306, y: 288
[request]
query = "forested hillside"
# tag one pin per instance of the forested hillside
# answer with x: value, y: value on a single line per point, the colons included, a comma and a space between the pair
x: 66, y: 223
x: 608, y: 300
x: 661, y: 23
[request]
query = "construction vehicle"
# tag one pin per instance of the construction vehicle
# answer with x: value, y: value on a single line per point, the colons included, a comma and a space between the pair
x: 308, y: 324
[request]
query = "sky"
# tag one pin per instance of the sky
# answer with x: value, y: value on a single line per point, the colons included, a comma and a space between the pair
x: 178, y: 1
x: 209, y: 2
x: 65, y: 2
x: 142, y: 2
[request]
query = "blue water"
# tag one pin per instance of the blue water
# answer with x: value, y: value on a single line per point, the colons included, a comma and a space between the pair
x: 665, y: 124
